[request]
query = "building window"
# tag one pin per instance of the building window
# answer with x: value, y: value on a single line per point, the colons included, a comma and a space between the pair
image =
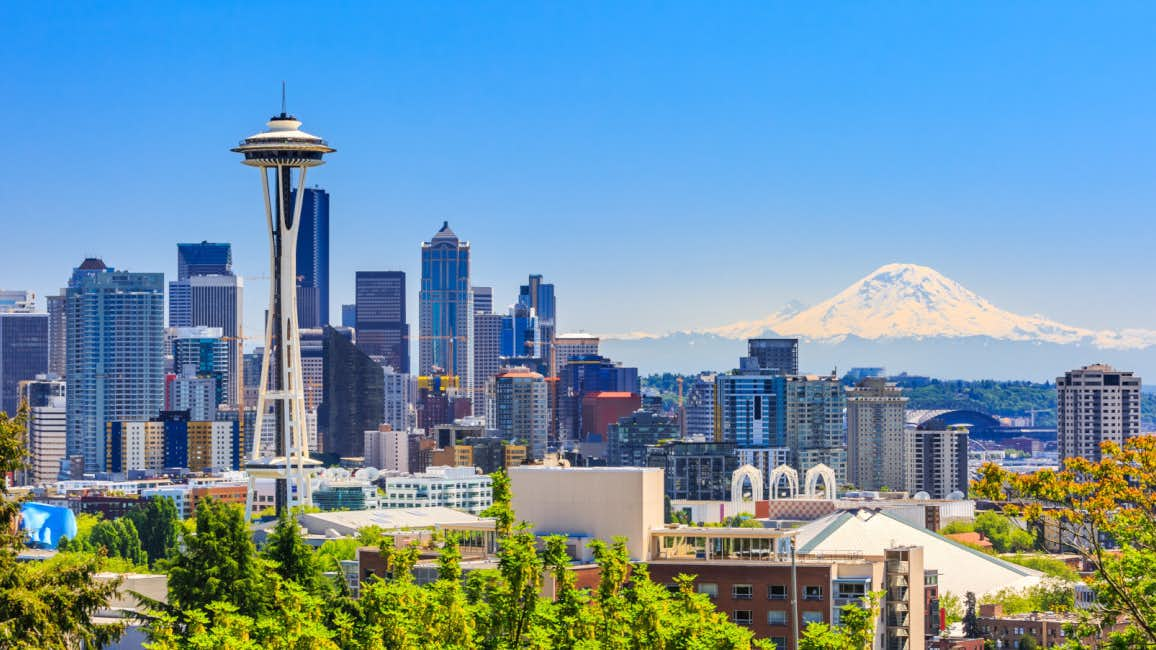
x: 851, y: 590
x: 708, y: 588
x: 743, y: 617
x: 776, y: 592
x: 742, y: 592
x: 779, y: 641
x: 812, y: 593
x: 776, y: 617
x: 812, y: 617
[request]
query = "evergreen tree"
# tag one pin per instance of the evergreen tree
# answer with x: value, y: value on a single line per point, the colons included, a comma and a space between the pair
x: 970, y: 620
x: 118, y: 538
x: 158, y: 525
x: 41, y: 605
x: 218, y: 564
x: 293, y: 559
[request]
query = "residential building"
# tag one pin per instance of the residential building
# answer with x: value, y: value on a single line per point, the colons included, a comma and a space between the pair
x: 1045, y: 629
x: 204, y: 353
x: 189, y: 392
x: 779, y: 356
x: 47, y: 428
x: 313, y: 364
x: 518, y: 409
x: 24, y: 346
x: 399, y: 397
x: 206, y: 293
x: 446, y: 310
x: 939, y: 464
x: 878, y: 445
x: 172, y: 440
x: 354, y: 396
x: 115, y: 354
x: 57, y: 335
x: 313, y: 258
x: 813, y: 412
x: 695, y: 471
x: 1096, y: 404
x: 628, y: 438
x: 440, y: 401
x: 748, y: 409
x: 393, y: 450
x: 698, y: 406
x: 460, y: 488
x: 382, y: 328
x: 135, y: 446
x: 487, y: 454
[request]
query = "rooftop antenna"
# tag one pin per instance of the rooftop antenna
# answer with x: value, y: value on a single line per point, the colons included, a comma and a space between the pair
x: 283, y: 97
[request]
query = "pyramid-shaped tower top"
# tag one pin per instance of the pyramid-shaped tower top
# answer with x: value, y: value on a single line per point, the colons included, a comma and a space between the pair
x: 445, y: 234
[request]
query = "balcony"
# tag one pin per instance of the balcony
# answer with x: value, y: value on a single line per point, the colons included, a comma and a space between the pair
x: 898, y: 566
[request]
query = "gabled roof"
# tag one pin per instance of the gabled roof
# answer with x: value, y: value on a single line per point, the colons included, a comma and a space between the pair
x: 961, y: 568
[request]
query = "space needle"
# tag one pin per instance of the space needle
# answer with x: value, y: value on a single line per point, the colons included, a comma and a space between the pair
x: 282, y: 149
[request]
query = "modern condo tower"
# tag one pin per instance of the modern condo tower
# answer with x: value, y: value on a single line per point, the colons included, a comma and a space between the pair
x: 281, y: 149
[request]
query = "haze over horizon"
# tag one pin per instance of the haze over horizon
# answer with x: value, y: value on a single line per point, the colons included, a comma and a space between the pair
x: 666, y: 171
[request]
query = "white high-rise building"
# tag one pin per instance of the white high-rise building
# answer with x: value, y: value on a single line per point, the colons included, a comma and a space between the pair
x: 1096, y: 404
x: 573, y: 345
x: 47, y: 431
x: 939, y: 462
x: 387, y: 450
x: 400, y: 398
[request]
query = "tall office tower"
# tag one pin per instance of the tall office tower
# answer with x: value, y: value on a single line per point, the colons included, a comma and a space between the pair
x: 749, y: 413
x: 382, y: 330
x: 813, y: 408
x: 115, y: 353
x: 699, y: 406
x: 446, y: 308
x: 57, y: 335
x: 878, y: 447
x: 519, y: 410
x: 207, y: 294
x: 24, y: 345
x: 781, y: 356
x: 313, y: 258
x: 939, y: 462
x: 520, y: 334
x: 204, y: 258
x: 483, y: 300
x: 349, y: 315
x: 399, y: 395
x: 283, y: 149
x: 1096, y: 404
x: 47, y: 428
x: 354, y: 396
x: 539, y: 296
x: 569, y: 346
x: 203, y: 353
x: 583, y: 375
x: 487, y: 341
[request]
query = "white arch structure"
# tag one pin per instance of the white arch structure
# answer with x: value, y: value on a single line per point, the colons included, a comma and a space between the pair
x: 750, y: 473
x: 777, y: 476
x: 817, y: 472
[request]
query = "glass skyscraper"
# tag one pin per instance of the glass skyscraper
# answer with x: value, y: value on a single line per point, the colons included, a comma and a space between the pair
x: 313, y: 259
x: 382, y: 330
x: 115, y: 353
x: 446, y: 308
x: 206, y: 293
x: 23, y: 348
x: 539, y: 296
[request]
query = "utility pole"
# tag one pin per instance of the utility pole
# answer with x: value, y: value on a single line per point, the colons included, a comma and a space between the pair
x: 794, y: 598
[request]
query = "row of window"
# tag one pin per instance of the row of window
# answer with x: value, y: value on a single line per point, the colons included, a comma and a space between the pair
x: 775, y: 617
x: 747, y: 592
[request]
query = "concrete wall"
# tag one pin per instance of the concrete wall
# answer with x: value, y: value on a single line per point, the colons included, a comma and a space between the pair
x: 599, y: 502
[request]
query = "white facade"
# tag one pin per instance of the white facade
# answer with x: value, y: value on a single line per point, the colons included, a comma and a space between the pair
x: 591, y: 503
x: 573, y: 345
x: 400, y: 397
x: 197, y: 395
x: 387, y: 450
x: 1096, y: 404
x: 47, y: 429
x: 460, y: 488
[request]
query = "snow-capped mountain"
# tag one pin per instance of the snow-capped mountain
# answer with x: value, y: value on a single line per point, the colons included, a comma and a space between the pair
x: 912, y: 301
x: 902, y: 314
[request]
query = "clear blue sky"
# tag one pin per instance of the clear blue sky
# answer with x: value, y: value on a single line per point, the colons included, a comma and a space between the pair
x: 666, y: 165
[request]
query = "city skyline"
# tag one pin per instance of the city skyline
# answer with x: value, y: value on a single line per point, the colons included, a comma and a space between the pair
x: 1030, y: 143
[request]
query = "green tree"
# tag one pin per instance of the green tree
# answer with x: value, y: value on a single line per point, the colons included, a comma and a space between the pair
x: 1027, y: 642
x: 970, y: 620
x: 501, y: 510
x: 43, y: 605
x: 118, y: 538
x: 856, y: 629
x: 158, y: 524
x: 1005, y: 536
x: 218, y: 564
x: 291, y: 557
x: 951, y: 606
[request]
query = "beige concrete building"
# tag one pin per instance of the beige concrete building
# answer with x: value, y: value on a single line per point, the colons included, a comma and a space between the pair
x: 878, y: 446
x: 1095, y: 404
x: 587, y: 503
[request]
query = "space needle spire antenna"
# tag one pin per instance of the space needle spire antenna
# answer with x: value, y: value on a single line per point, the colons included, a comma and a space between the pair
x: 282, y: 149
